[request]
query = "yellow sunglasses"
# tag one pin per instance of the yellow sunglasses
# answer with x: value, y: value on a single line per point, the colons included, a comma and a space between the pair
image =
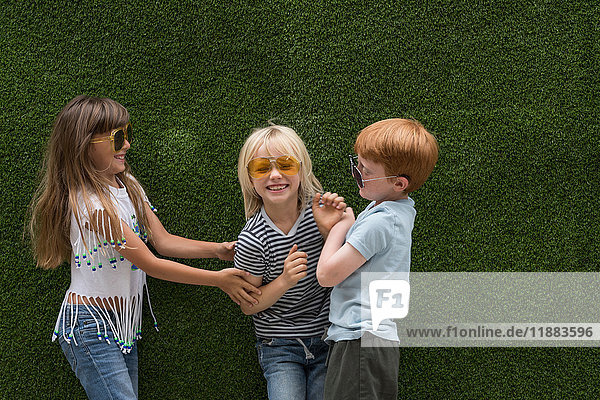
x: 261, y: 166
x: 117, y: 137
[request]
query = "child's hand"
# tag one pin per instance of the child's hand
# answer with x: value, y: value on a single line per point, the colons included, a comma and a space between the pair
x: 346, y: 221
x: 226, y: 250
x: 231, y: 281
x: 327, y: 215
x: 294, y: 267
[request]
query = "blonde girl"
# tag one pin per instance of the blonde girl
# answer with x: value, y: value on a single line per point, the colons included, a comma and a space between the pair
x: 91, y: 211
x: 280, y: 247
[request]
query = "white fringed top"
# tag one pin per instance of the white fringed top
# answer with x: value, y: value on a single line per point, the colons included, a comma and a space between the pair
x: 108, y: 283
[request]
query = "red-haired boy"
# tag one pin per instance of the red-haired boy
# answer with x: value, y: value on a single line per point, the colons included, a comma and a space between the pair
x: 395, y: 157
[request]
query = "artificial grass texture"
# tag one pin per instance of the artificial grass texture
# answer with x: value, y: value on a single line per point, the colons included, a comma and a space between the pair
x: 509, y: 88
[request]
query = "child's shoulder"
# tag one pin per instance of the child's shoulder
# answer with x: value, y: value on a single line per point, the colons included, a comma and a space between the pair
x: 252, y: 236
x: 134, y: 180
x: 254, y: 225
x: 388, y: 214
x: 88, y: 201
x: 394, y: 208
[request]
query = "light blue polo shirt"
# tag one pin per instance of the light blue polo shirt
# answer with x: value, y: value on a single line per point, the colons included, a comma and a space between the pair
x: 382, y: 234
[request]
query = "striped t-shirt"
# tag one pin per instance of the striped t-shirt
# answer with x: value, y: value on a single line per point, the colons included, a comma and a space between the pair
x: 303, y: 311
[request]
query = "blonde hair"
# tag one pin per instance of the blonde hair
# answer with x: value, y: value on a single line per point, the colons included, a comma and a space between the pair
x: 403, y: 146
x: 285, y: 140
x: 69, y: 171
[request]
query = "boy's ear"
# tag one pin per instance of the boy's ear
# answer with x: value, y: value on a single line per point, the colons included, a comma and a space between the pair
x: 401, y: 184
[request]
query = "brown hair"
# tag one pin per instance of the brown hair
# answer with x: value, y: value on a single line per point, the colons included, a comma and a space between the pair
x: 403, y: 146
x: 69, y: 173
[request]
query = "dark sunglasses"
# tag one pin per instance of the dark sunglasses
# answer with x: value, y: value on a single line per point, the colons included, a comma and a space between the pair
x: 358, y: 176
x: 117, y: 137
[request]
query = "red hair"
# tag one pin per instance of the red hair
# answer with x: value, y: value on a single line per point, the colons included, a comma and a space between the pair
x: 403, y: 146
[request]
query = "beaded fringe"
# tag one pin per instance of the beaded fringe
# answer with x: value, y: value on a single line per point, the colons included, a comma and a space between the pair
x: 89, y: 245
x: 126, y: 324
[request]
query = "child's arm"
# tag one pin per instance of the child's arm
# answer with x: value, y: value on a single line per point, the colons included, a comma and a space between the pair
x: 338, y: 260
x: 230, y: 280
x: 170, y: 245
x: 294, y: 269
x: 327, y: 210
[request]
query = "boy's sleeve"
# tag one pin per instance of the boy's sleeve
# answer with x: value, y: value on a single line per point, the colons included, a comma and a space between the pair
x: 371, y: 235
x: 249, y: 254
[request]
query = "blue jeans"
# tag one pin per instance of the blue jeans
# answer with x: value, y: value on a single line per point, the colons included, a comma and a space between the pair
x: 103, y: 370
x: 293, y: 370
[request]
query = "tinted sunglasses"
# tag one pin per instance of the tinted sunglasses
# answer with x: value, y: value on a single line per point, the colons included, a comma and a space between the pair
x: 358, y: 176
x: 117, y: 137
x: 261, y: 166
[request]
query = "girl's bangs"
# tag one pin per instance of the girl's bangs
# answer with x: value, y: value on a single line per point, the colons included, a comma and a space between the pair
x: 282, y: 144
x: 114, y: 116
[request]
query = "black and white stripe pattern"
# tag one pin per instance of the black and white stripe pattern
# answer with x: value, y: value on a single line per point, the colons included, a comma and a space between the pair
x: 303, y: 311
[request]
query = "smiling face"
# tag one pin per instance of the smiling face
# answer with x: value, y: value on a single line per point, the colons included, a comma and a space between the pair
x: 105, y: 160
x: 276, y: 189
x: 380, y: 190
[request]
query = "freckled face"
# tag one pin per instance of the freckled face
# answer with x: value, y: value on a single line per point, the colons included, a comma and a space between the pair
x: 377, y: 190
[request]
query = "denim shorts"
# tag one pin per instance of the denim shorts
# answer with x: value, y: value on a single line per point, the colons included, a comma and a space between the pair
x: 294, y: 368
x: 103, y: 370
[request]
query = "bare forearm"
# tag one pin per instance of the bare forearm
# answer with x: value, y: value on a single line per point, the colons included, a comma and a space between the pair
x: 334, y: 242
x: 180, y: 247
x: 270, y: 293
x: 323, y: 231
x: 175, y: 272
x: 326, y: 269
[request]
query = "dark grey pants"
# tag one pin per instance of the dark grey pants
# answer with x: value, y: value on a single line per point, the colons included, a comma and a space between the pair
x: 360, y: 372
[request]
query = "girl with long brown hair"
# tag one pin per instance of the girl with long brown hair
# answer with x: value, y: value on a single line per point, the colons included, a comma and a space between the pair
x: 91, y: 211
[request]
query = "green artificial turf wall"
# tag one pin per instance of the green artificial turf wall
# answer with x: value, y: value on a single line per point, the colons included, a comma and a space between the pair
x: 509, y: 88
